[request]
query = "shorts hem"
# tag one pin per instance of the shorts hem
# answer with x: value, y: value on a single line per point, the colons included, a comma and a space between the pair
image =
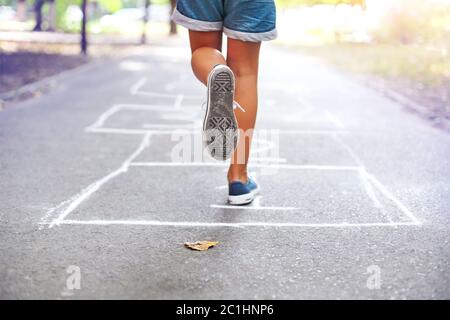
x: 251, y: 36
x: 194, y: 24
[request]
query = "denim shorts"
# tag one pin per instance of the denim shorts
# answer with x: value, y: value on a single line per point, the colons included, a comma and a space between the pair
x: 246, y: 20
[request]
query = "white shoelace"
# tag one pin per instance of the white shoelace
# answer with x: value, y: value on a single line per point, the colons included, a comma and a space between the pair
x: 235, y: 106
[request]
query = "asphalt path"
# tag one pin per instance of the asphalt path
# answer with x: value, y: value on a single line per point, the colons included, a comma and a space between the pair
x: 103, y: 179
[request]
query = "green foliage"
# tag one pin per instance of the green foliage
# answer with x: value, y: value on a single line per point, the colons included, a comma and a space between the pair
x: 61, y: 7
x: 388, y: 61
x: 111, y: 5
x: 418, y: 22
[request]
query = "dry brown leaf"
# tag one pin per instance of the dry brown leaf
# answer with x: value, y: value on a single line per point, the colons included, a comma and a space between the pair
x: 200, y: 245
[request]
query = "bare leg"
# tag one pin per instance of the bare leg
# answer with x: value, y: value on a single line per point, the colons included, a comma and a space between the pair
x: 243, y: 59
x: 206, y: 52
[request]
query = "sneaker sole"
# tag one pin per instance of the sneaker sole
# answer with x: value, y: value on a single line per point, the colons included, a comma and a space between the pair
x: 242, y: 199
x: 220, y: 125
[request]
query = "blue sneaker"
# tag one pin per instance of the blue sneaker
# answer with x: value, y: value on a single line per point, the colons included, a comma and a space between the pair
x: 242, y: 193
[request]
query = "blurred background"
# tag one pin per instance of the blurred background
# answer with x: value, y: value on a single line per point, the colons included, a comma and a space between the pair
x: 398, y: 46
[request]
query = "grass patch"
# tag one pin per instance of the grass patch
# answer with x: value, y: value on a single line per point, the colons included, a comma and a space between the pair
x: 428, y: 66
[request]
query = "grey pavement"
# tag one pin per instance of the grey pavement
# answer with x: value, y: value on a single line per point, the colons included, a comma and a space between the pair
x: 97, y: 178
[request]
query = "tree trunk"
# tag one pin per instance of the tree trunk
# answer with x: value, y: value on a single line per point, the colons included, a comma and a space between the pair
x: 83, y: 27
x: 145, y: 21
x: 173, y: 26
x: 38, y: 14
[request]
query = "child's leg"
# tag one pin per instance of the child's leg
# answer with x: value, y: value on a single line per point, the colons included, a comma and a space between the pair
x: 243, y: 59
x: 220, y: 127
x: 206, y: 52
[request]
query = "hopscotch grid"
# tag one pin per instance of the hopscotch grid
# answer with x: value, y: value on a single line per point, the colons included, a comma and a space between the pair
x: 98, y: 125
x: 136, y: 90
x: 367, y: 179
x: 358, y: 169
x: 363, y: 175
x: 94, y: 187
x: 84, y: 195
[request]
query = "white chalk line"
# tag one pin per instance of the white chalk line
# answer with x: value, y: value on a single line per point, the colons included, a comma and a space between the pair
x: 168, y: 95
x: 57, y: 208
x: 255, y: 158
x: 147, y: 107
x: 178, y: 101
x: 366, y: 182
x: 362, y: 175
x: 378, y: 184
x: 312, y: 120
x: 368, y: 188
x: 394, y: 199
x: 97, y: 126
x: 367, y: 178
x: 350, y: 151
x: 136, y: 89
x: 257, y: 207
x: 306, y: 104
x: 232, y: 225
x: 138, y: 85
x: 151, y: 107
x: 154, y: 126
x: 309, y: 132
x: 126, y: 131
x: 179, y: 117
x: 118, y: 107
x: 332, y: 118
x: 255, y: 165
x: 92, y: 188
x: 103, y: 117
